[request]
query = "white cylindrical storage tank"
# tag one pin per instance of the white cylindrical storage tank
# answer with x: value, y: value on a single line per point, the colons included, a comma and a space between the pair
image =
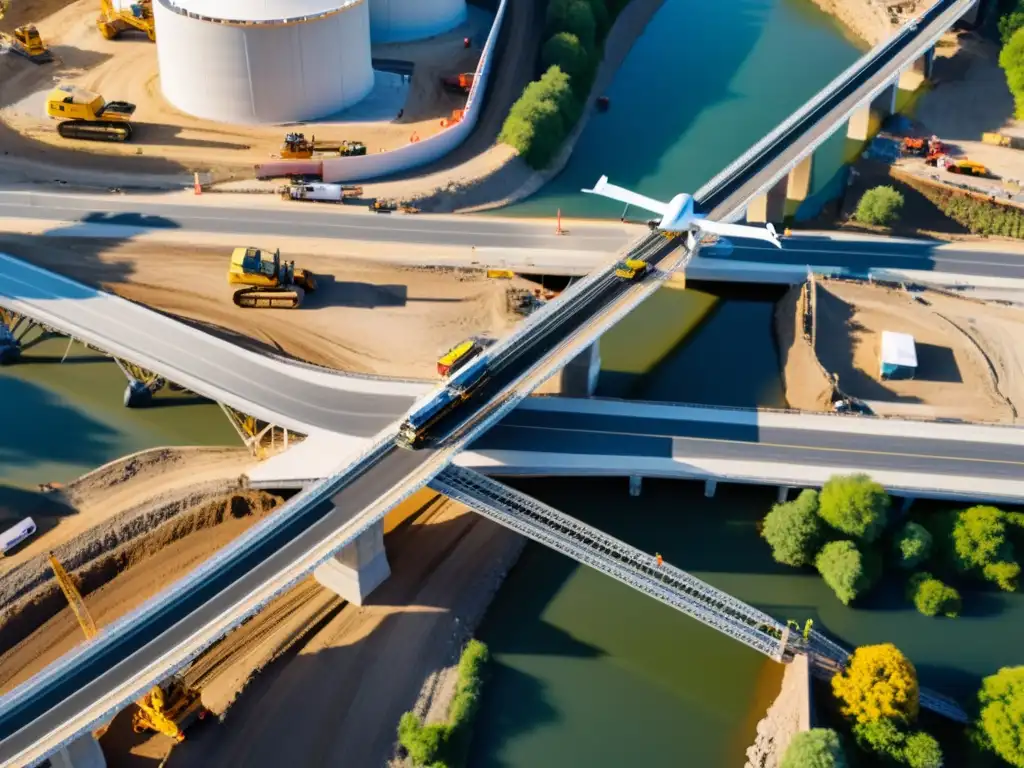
x: 263, y: 61
x: 399, y: 21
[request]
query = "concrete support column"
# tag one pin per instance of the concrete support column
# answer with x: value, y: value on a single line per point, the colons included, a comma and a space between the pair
x: 359, y: 568
x: 769, y: 207
x: 906, y: 504
x: 973, y: 17
x: 635, y: 484
x: 783, y: 494
x: 710, y: 486
x: 918, y: 73
x: 867, y: 120
x: 83, y: 752
x: 581, y: 374
x: 798, y: 183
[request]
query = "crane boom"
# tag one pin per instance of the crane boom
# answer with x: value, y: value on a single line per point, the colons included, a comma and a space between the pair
x: 74, y: 597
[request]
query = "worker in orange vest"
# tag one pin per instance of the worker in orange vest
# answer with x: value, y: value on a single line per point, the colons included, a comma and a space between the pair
x: 659, y: 559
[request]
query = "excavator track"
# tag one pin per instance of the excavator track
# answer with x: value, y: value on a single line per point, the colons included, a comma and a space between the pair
x: 269, y: 298
x: 100, y: 130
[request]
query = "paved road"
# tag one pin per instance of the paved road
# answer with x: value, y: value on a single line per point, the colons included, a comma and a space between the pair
x: 299, y: 220
x: 592, y: 434
x: 731, y: 191
x: 269, y: 389
x: 866, y: 253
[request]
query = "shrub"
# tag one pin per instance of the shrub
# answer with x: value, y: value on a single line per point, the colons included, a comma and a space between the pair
x: 979, y: 543
x: 932, y: 597
x: 1001, y: 717
x: 602, y: 17
x: 881, y: 737
x: 913, y: 545
x: 816, y: 748
x: 574, y: 17
x: 855, y: 505
x: 565, y: 51
x: 1009, y: 24
x: 921, y: 750
x: 879, y: 682
x: 841, y: 565
x: 1011, y: 59
x: 793, y: 530
x: 541, y: 118
x: 440, y: 744
x: 880, y: 206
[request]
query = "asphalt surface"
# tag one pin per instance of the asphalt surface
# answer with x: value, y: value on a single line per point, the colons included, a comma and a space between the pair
x: 218, y: 370
x: 864, y: 254
x: 308, y: 220
x: 589, y: 434
x: 725, y: 195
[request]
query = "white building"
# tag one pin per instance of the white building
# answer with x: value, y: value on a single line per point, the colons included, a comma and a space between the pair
x: 899, y: 356
x: 263, y: 61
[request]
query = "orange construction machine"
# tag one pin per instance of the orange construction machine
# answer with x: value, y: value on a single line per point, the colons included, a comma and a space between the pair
x: 459, y: 83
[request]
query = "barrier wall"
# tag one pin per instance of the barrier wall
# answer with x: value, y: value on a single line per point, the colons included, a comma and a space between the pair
x: 414, y: 155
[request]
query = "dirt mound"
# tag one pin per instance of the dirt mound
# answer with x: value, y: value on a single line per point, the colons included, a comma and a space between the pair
x: 41, y: 610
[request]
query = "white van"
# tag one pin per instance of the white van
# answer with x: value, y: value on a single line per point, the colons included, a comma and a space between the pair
x: 16, y: 534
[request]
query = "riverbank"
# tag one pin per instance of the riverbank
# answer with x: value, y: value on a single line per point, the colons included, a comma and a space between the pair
x: 868, y: 20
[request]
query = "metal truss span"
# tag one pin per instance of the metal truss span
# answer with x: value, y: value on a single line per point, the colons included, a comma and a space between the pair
x: 615, y: 558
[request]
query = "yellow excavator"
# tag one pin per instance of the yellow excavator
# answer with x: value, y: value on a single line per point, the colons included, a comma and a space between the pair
x: 115, y: 19
x: 25, y: 40
x: 269, y: 281
x: 86, y: 115
x: 169, y: 708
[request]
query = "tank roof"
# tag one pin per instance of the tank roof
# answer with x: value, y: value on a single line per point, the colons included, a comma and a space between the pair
x: 258, y: 11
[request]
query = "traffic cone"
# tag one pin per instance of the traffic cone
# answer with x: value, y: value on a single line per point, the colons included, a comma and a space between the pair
x: 198, y: 187
x: 558, y: 226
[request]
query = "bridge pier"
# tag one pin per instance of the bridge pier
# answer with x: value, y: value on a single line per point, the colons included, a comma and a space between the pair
x: 142, y: 384
x: 359, y: 568
x: 783, y: 494
x: 83, y: 752
x: 973, y: 17
x: 773, y: 206
x: 635, y: 485
x: 579, y: 378
x: 918, y: 73
x: 867, y: 120
x: 710, y: 486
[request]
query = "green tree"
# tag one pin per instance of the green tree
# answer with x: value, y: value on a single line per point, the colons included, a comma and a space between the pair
x: 565, y: 51
x: 1000, y: 725
x: 575, y: 17
x: 1011, y: 59
x: 921, y: 750
x: 881, y: 737
x: 855, y: 505
x: 555, y: 85
x: 913, y: 545
x: 794, y: 531
x: 539, y: 121
x: 878, y: 683
x: 932, y: 597
x: 422, y: 742
x: 816, y: 748
x: 841, y: 565
x: 980, y: 543
x: 602, y: 17
x: 1009, y: 24
x: 880, y: 206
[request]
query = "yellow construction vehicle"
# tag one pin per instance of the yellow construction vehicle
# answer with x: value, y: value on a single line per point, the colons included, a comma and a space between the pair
x: 86, y: 115
x: 169, y: 709
x: 116, y: 18
x: 25, y: 41
x: 297, y: 147
x: 458, y: 356
x: 968, y: 167
x: 270, y: 282
x: 632, y: 269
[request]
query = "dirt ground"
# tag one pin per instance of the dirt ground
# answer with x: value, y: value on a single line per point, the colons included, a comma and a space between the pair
x: 970, y: 364
x: 336, y: 698
x: 363, y: 318
x: 806, y: 384
x: 126, y: 69
x: 868, y: 20
x: 115, y: 488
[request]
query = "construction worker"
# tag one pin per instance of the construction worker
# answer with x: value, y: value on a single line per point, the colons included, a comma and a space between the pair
x: 657, y: 556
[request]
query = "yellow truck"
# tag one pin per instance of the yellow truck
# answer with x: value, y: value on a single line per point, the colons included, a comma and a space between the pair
x: 632, y: 269
x: 1002, y: 140
x: 458, y: 356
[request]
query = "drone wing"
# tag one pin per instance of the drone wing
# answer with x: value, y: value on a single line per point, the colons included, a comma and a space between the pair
x: 624, y: 195
x: 768, y: 233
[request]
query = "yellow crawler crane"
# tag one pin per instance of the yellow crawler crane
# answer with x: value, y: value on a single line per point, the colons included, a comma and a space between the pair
x: 114, y: 19
x: 167, y: 709
x: 269, y: 281
x: 25, y: 41
x: 86, y: 115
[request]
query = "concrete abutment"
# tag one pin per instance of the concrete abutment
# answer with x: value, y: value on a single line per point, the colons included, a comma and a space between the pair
x: 83, y: 752
x: 867, y: 120
x: 773, y: 206
x: 359, y: 568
